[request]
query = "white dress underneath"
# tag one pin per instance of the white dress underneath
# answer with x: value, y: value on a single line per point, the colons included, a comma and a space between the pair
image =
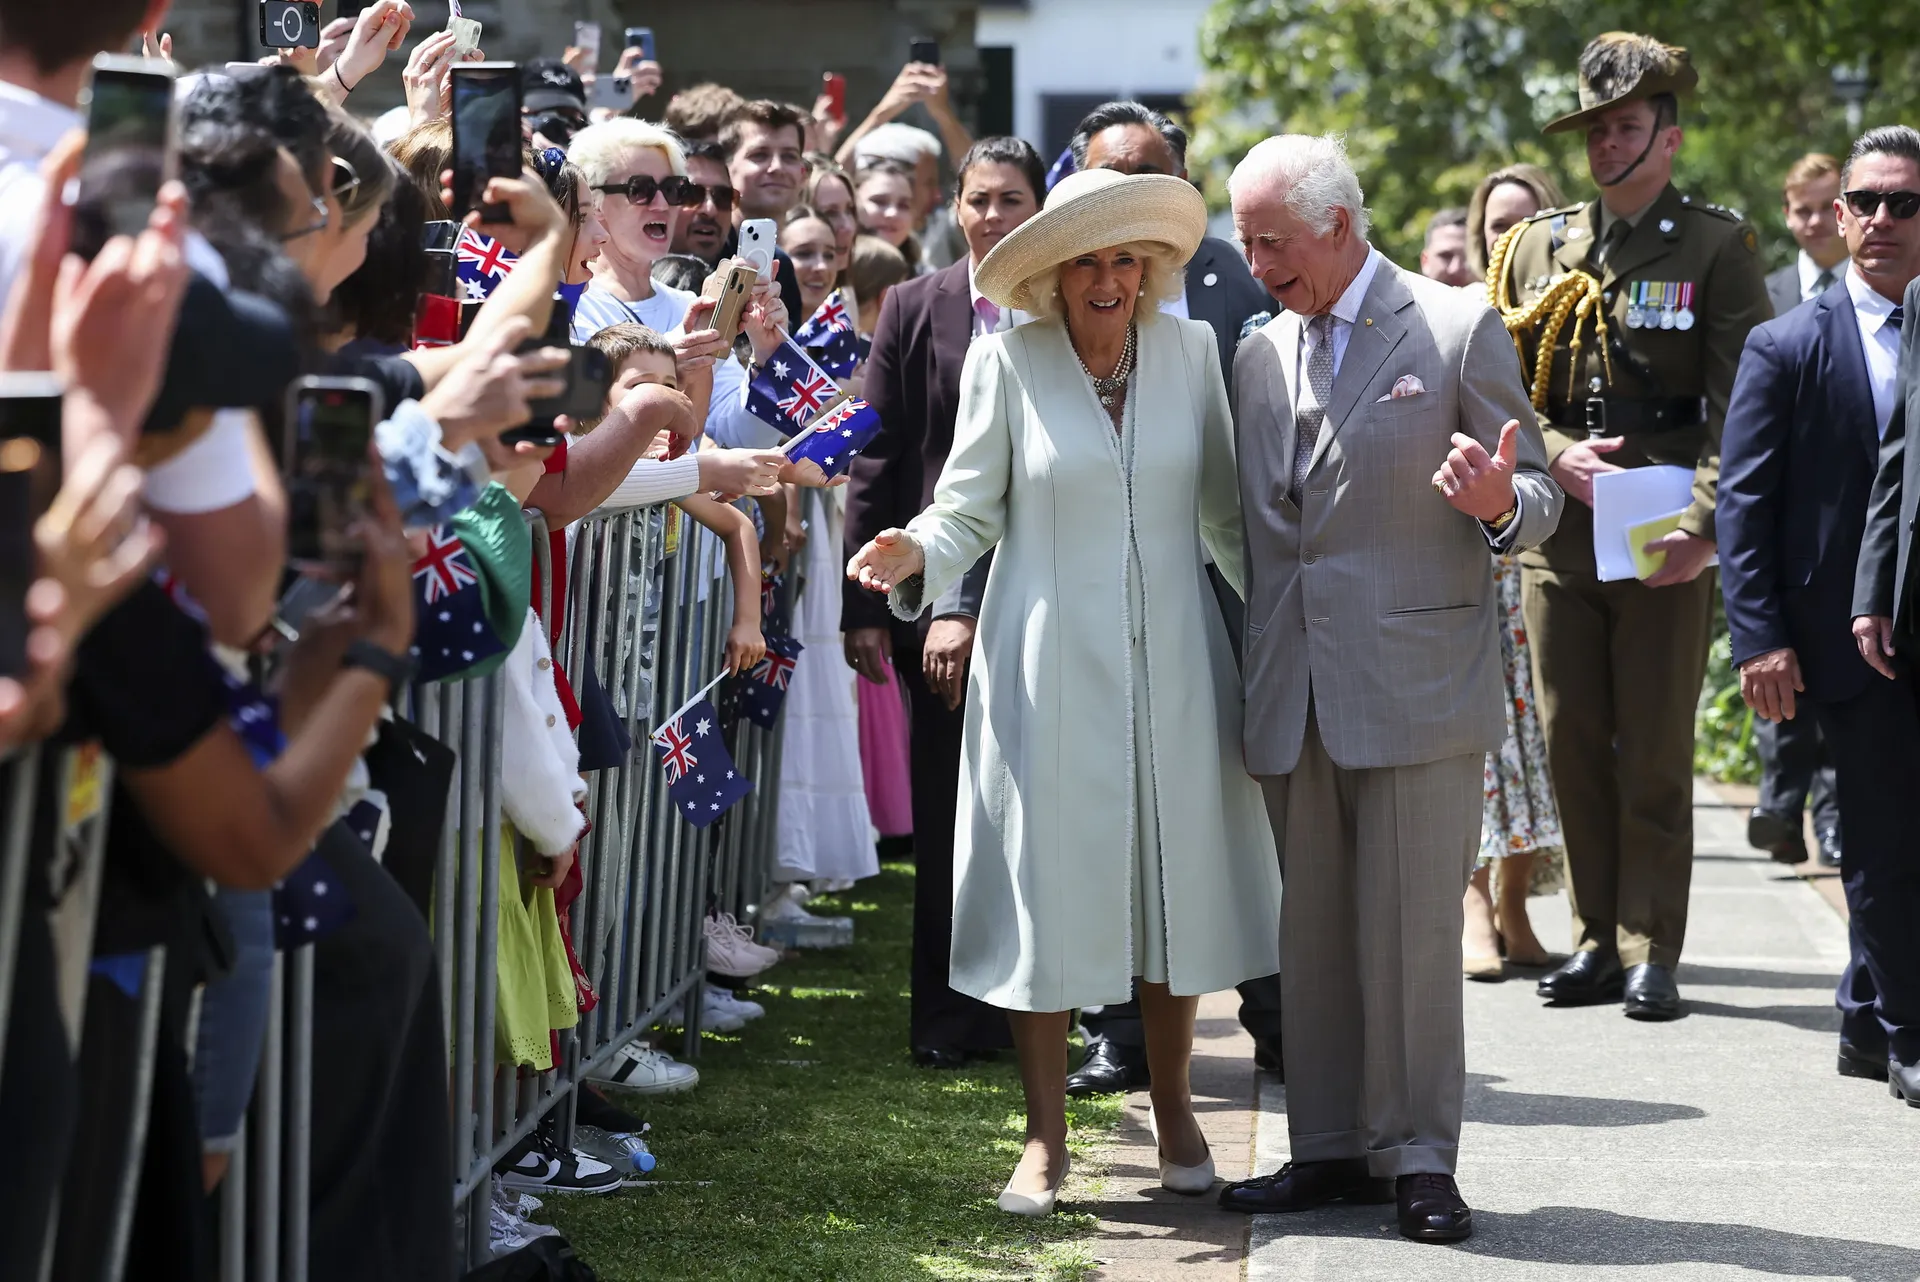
x: 824, y: 829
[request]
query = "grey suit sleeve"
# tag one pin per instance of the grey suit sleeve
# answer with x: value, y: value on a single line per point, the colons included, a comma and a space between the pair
x: 1492, y: 390
x: 1873, y: 586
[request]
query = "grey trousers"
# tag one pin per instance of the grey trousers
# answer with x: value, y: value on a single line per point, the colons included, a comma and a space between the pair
x: 1375, y: 863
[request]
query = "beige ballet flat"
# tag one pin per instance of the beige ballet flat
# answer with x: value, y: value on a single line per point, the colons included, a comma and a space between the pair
x: 1034, y: 1205
x: 1488, y: 970
x: 1189, y: 1180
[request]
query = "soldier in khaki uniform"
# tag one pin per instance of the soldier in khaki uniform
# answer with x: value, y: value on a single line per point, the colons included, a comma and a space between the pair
x: 1630, y: 312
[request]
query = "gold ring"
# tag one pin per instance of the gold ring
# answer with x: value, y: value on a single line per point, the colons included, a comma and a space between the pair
x: 1439, y: 488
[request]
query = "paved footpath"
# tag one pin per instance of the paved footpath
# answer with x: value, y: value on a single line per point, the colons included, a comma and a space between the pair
x: 1721, y: 1146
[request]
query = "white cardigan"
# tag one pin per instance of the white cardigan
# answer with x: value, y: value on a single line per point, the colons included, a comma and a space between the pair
x: 540, y: 783
x: 1043, y: 856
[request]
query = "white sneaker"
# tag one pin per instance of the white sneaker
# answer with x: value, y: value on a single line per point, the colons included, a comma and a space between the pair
x: 640, y: 1068
x: 714, y: 1018
x: 786, y: 908
x: 739, y: 1007
x: 731, y: 950
x: 833, y: 887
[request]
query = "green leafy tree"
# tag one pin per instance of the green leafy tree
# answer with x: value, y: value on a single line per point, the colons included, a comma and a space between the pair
x: 1433, y: 94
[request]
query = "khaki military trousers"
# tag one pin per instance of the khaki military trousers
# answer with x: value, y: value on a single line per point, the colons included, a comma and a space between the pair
x: 1375, y: 864
x: 1617, y: 669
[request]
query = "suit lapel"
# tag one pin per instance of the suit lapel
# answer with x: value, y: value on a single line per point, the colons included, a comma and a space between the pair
x: 1851, y: 390
x: 1376, y: 332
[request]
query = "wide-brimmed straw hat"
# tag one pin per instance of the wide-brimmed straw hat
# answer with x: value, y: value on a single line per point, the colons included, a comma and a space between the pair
x: 1093, y: 209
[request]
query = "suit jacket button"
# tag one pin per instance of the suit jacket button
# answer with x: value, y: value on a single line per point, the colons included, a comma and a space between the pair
x: 1311, y: 558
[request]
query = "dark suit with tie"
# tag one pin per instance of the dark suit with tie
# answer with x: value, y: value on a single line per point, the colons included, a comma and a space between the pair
x: 1799, y: 454
x: 1794, y: 765
x: 913, y: 380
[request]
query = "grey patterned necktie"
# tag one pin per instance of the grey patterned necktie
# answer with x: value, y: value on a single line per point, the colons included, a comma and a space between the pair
x: 1822, y: 283
x: 1315, y: 391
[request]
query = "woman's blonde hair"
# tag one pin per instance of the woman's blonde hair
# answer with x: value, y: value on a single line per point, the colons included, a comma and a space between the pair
x: 1535, y: 179
x: 1161, y: 281
x: 599, y: 150
x: 425, y: 152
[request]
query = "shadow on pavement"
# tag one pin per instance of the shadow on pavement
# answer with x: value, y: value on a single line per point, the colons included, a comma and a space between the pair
x: 1521, y: 1108
x: 1746, y: 977
x: 1590, y: 1241
x: 1814, y: 1019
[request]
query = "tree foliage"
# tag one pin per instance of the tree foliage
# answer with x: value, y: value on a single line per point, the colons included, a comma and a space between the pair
x: 1433, y: 94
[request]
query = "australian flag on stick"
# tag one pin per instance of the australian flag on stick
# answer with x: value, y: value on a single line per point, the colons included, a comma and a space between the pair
x: 453, y: 633
x: 832, y: 338
x: 790, y: 391
x: 763, y: 691
x: 701, y: 779
x: 837, y: 438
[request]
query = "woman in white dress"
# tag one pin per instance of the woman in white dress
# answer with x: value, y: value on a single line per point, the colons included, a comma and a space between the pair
x: 1113, y: 832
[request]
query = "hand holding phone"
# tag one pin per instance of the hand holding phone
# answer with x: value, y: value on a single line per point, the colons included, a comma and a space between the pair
x: 759, y: 238
x: 130, y: 150
x: 924, y: 51
x: 290, y: 24
x: 325, y: 459
x: 835, y: 87
x: 586, y: 38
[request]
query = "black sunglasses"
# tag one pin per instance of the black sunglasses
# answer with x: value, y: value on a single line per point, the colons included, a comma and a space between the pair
x: 640, y: 189
x: 723, y: 197
x: 1901, y: 204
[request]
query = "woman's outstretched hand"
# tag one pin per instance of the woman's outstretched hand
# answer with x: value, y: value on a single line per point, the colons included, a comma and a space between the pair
x: 889, y: 560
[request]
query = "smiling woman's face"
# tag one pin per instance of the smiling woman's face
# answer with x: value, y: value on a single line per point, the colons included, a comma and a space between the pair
x: 638, y: 233
x: 1098, y: 290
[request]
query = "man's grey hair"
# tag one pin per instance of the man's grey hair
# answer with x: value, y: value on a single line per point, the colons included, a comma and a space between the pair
x: 895, y: 141
x: 1314, y: 174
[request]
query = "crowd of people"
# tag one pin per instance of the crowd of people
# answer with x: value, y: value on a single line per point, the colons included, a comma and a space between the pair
x: 1150, y: 425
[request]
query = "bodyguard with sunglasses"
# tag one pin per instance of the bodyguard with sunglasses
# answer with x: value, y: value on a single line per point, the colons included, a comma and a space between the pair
x: 1667, y: 288
x: 706, y: 224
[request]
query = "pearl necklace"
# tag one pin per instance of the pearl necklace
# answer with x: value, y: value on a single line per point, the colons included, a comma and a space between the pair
x: 1110, y: 390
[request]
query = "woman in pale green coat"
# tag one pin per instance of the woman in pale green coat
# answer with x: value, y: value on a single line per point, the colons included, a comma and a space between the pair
x: 1113, y: 831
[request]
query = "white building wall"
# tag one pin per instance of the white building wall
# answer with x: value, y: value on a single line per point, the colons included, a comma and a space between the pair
x: 1120, y: 47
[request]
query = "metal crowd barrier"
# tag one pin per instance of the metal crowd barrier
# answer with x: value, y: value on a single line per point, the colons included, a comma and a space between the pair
x: 648, y: 614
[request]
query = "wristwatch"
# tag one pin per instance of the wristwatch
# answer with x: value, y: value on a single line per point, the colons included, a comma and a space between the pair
x: 398, y: 669
x: 1501, y: 522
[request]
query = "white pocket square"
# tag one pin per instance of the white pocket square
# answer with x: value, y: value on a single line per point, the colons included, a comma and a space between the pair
x: 1404, y: 386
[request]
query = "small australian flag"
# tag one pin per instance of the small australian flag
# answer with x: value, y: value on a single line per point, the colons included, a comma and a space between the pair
x: 839, y: 437
x: 453, y: 633
x: 763, y: 691
x: 831, y: 337
x: 483, y: 263
x: 701, y: 779
x: 790, y: 390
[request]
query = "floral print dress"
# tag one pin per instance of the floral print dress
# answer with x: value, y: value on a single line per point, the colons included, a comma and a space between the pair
x: 1518, y: 814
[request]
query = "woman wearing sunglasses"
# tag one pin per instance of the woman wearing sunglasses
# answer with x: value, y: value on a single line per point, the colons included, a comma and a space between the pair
x: 637, y: 177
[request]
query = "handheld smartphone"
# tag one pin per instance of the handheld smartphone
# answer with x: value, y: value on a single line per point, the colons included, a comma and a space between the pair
x: 586, y: 38
x: 442, y: 279
x: 758, y: 239
x: 289, y: 24
x: 466, y: 35
x: 130, y: 149
x: 29, y: 478
x: 641, y: 38
x: 836, y: 88
x: 923, y: 50
x: 486, y: 133
x: 325, y: 460
x: 440, y: 233
x: 731, y: 302
x: 589, y: 374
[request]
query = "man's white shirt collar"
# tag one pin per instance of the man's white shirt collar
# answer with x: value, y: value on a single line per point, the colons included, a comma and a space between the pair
x: 1348, y: 308
x: 30, y: 125
x: 1873, y: 306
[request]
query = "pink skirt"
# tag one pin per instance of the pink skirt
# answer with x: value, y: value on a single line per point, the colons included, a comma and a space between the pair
x: 883, y: 756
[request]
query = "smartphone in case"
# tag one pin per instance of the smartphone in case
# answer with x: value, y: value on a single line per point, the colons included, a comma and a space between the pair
x: 923, y: 50
x: 285, y: 25
x: 759, y: 237
x: 486, y: 133
x: 641, y: 38
x: 324, y: 458
x: 836, y: 88
x: 29, y: 478
x: 588, y: 376
x: 586, y: 38
x: 466, y: 35
x: 731, y: 302
x: 130, y: 149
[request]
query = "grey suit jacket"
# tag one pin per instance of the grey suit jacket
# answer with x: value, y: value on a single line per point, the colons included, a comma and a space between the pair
x: 1783, y: 289
x: 1375, y: 593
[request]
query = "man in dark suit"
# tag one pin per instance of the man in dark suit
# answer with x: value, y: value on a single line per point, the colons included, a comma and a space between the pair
x: 1795, y: 767
x: 1814, y: 396
x: 913, y: 380
x: 1132, y: 138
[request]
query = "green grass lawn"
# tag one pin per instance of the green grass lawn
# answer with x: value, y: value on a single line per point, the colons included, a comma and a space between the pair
x: 814, y: 1150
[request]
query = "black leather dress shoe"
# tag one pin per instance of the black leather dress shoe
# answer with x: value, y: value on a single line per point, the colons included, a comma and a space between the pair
x: 1584, y: 979
x: 1778, y: 835
x: 1267, y: 1057
x: 1828, y: 855
x: 1651, y: 993
x: 1855, y: 1062
x: 1903, y: 1081
x: 1431, y: 1209
x: 939, y: 1057
x: 1109, y: 1068
x: 1301, y: 1186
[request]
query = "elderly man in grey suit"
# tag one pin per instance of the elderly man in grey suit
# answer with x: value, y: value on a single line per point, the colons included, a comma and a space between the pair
x: 1373, y: 675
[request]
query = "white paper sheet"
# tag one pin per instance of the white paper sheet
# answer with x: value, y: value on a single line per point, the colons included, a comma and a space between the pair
x: 1630, y: 497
